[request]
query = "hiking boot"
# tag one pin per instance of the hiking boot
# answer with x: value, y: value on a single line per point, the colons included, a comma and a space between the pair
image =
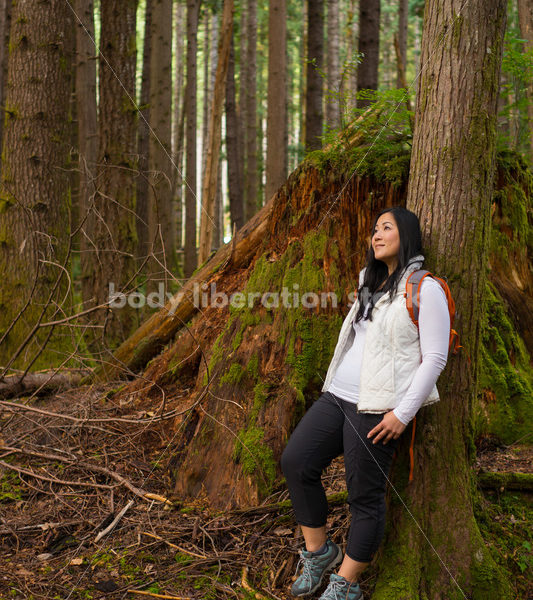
x: 340, y: 589
x: 313, y: 568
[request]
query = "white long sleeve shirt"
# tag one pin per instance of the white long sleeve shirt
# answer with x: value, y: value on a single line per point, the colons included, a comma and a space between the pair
x: 434, y: 332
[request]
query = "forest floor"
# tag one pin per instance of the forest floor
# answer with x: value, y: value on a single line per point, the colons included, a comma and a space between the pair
x: 70, y: 463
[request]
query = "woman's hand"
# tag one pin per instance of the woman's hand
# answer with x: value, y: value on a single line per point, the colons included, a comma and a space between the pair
x: 389, y: 427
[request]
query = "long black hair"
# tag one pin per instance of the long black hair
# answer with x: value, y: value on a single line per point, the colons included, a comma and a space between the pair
x: 377, y: 271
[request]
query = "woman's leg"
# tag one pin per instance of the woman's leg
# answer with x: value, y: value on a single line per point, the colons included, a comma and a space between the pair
x: 315, y: 442
x: 367, y: 468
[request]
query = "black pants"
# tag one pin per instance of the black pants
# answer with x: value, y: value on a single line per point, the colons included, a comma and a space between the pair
x: 332, y: 427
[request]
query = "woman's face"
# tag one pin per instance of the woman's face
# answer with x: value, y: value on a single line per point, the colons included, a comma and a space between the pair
x: 386, y: 240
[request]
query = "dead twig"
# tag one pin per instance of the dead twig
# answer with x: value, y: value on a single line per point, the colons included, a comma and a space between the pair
x: 114, y: 522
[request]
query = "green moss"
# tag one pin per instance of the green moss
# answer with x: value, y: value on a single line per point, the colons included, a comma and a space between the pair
x: 504, y: 522
x: 505, y: 408
x: 255, y: 456
x: 234, y: 375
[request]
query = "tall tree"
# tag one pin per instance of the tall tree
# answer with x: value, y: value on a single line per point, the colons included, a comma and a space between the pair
x: 314, y: 115
x: 250, y: 90
x: 367, y: 72
x: 210, y: 178
x: 403, y: 13
x: 113, y: 237
x: 160, y: 159
x: 190, y: 258
x: 276, y: 159
x: 525, y: 18
x: 451, y: 178
x: 34, y: 194
x: 87, y: 131
x: 178, y: 122
x: 234, y: 145
x: 141, y: 211
x: 333, y: 117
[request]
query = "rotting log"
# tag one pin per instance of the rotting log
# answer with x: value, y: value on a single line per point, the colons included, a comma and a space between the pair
x: 505, y: 480
x: 40, y: 383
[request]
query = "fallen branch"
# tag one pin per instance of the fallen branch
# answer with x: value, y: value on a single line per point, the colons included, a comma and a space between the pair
x: 246, y: 585
x: 114, y: 522
x: 154, y: 595
x: 22, y: 471
x: 44, y: 381
x: 179, y: 548
x: 96, y: 468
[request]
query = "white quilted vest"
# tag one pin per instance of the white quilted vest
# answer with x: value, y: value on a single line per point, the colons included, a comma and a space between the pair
x: 391, y: 352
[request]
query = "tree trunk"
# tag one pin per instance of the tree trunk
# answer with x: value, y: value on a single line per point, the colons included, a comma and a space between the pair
x: 250, y: 90
x: 367, y: 72
x: 87, y: 134
x: 403, y: 13
x: 143, y: 236
x: 451, y: 178
x: 314, y: 115
x: 241, y: 106
x: 525, y: 18
x: 34, y: 194
x: 209, y: 185
x: 302, y: 87
x: 276, y: 158
x: 5, y: 26
x: 114, y: 236
x: 333, y: 118
x: 161, y: 231
x: 234, y: 145
x: 190, y: 257
x: 352, y: 34
x: 178, y: 125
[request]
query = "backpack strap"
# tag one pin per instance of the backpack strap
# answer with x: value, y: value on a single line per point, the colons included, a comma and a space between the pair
x: 412, y: 296
x: 411, y: 451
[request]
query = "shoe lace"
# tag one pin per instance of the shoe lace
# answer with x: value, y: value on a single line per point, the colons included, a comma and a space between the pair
x: 340, y: 587
x: 306, y: 563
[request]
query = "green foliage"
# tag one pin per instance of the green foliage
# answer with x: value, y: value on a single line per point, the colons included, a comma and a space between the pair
x: 516, y: 74
x: 383, y: 140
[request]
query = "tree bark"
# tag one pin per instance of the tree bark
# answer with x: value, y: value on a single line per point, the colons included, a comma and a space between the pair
x: 403, y: 13
x: 314, y: 115
x: 451, y: 179
x: 525, y: 19
x: 250, y: 90
x: 87, y: 133
x: 210, y: 179
x: 5, y: 26
x: 190, y: 257
x: 178, y: 125
x: 160, y: 221
x: 143, y: 134
x: 114, y: 235
x: 333, y: 117
x: 234, y: 145
x: 276, y: 158
x: 34, y: 188
x: 367, y: 72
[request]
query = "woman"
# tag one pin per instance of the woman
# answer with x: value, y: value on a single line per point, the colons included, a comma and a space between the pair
x: 383, y: 369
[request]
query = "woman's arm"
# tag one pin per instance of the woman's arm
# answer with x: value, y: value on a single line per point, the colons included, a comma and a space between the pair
x: 434, y: 329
